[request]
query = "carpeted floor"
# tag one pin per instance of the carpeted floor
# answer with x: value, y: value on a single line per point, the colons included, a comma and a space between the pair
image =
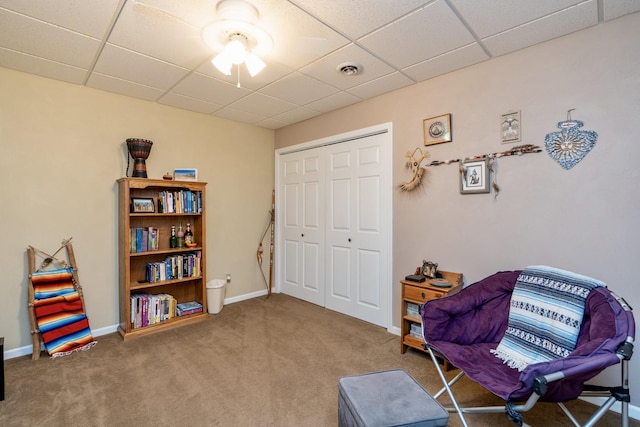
x: 261, y: 362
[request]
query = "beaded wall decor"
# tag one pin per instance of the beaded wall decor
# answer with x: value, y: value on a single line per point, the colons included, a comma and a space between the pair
x: 569, y: 146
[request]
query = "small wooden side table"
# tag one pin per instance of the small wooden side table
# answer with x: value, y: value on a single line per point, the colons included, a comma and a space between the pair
x: 415, y: 294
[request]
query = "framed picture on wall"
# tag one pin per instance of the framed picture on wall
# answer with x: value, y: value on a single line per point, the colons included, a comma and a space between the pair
x: 510, y: 127
x: 474, y: 177
x: 437, y: 129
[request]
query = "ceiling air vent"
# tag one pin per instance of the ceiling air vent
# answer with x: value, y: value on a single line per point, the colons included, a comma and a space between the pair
x: 349, y: 68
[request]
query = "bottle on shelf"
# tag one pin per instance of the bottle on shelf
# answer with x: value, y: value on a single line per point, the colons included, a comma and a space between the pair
x: 180, y: 237
x: 188, y: 236
x: 173, y: 240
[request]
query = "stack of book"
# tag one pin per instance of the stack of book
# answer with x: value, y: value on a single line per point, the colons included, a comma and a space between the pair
x: 175, y: 267
x: 147, y: 309
x: 144, y: 239
x: 183, y: 201
x: 187, y: 308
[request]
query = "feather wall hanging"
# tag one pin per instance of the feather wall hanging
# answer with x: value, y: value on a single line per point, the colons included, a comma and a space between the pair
x: 414, y: 163
x: 569, y: 146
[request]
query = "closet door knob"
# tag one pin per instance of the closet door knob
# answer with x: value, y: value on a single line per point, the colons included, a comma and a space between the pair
x: 302, y: 234
x: 349, y: 239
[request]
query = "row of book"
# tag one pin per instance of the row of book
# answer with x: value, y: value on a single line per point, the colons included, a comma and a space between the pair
x: 145, y: 239
x: 183, y: 201
x: 175, y: 267
x: 149, y: 309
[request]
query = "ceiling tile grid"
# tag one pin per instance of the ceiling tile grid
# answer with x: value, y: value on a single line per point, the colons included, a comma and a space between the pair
x: 154, y: 50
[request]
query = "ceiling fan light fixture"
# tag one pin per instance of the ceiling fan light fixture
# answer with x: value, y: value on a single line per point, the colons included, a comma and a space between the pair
x: 237, y: 38
x: 254, y: 64
x: 222, y: 63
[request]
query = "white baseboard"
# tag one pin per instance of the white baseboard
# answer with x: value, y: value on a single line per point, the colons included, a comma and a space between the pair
x: 634, y: 411
x: 28, y: 349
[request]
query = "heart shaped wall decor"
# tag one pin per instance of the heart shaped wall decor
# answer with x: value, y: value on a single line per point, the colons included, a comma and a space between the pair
x: 569, y: 146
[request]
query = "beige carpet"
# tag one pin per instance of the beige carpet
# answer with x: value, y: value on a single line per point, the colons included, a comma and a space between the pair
x: 262, y: 362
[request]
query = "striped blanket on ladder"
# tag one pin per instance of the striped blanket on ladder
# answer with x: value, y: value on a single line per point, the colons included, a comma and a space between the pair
x: 59, y: 312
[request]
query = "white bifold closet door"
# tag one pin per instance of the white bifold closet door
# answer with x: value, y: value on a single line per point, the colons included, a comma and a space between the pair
x: 336, y: 207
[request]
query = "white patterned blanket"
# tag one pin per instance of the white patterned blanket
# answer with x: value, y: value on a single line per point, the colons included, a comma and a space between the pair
x: 547, y: 307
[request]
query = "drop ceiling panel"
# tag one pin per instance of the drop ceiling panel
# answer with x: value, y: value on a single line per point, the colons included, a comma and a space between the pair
x: 153, y: 49
x: 445, y: 63
x: 238, y: 115
x: 263, y: 105
x: 299, y: 89
x: 188, y: 103
x: 154, y: 33
x: 489, y: 17
x: 326, y: 69
x: 431, y: 31
x: 382, y: 85
x: 211, y: 90
x: 298, y: 38
x: 23, y: 34
x: 128, y: 65
x: 271, y: 124
x: 616, y: 8
x: 334, y: 102
x: 555, y: 25
x: 123, y: 87
x: 89, y: 17
x: 356, y: 18
x: 194, y: 12
x: 41, y: 67
x: 297, y: 115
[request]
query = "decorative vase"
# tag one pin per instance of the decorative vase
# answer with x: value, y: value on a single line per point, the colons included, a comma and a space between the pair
x: 139, y: 150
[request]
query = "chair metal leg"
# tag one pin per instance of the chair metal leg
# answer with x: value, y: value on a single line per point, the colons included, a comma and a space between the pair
x: 447, y: 386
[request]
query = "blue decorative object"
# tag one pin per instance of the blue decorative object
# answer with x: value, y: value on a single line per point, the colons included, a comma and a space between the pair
x: 569, y: 146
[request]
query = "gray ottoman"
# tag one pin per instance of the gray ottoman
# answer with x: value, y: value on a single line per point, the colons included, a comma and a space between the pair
x: 389, y: 398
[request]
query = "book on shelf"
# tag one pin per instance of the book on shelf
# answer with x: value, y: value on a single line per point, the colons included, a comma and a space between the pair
x: 174, y: 267
x: 183, y: 201
x: 149, y: 309
x: 145, y: 239
x: 190, y: 307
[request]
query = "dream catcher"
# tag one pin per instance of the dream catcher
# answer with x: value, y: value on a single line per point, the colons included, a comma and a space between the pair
x: 415, y: 164
x: 569, y: 146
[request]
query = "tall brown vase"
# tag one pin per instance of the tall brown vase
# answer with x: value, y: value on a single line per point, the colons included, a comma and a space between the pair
x: 139, y: 150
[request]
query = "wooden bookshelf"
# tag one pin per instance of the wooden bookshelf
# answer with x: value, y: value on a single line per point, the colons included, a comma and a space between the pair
x: 133, y: 264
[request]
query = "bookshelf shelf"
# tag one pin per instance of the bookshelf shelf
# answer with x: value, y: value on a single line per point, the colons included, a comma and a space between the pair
x: 188, y: 200
x: 145, y: 285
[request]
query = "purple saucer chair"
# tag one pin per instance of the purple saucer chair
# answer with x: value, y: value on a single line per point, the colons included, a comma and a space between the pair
x: 465, y: 327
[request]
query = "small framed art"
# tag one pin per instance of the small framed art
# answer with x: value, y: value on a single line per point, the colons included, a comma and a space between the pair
x: 437, y: 129
x: 474, y: 177
x: 510, y: 127
x: 185, y: 174
x: 142, y: 205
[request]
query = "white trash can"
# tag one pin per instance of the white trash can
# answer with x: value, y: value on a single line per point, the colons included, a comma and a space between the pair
x: 215, y: 295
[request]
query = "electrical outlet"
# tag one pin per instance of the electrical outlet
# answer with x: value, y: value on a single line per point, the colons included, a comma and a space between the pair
x: 228, y: 277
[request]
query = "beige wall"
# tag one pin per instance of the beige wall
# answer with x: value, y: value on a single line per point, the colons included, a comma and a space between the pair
x: 61, y: 151
x: 584, y: 219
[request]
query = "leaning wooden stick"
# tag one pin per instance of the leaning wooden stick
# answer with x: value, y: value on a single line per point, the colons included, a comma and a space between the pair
x: 273, y: 220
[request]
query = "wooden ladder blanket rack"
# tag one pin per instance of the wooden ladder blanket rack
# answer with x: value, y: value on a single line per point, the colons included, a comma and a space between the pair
x: 56, y: 304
